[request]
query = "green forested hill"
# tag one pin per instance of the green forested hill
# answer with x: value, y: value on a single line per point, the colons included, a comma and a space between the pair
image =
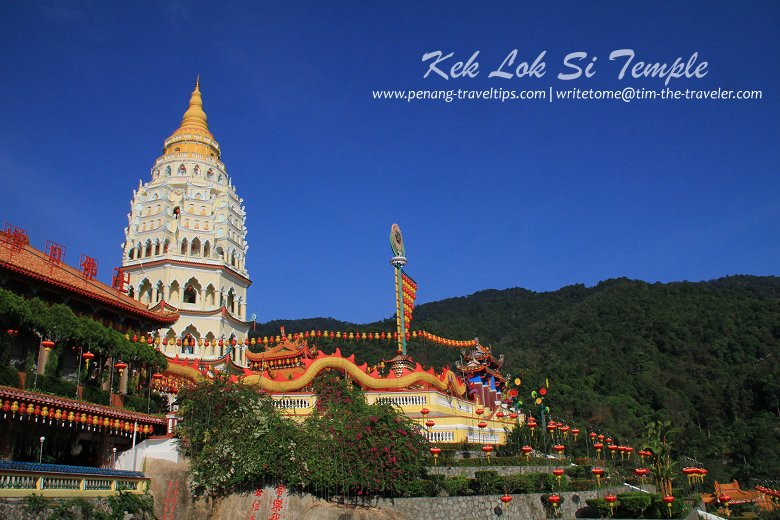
x: 706, y: 355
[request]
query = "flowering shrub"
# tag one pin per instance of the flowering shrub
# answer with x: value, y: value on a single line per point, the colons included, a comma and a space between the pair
x: 235, y: 437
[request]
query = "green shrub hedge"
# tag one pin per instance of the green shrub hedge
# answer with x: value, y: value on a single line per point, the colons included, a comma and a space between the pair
x: 456, y: 486
x: 9, y: 377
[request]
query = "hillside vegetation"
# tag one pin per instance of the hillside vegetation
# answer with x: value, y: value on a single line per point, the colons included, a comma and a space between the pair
x: 626, y: 352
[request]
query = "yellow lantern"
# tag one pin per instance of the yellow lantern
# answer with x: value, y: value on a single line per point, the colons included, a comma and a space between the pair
x: 252, y: 341
x: 30, y: 409
x: 15, y: 407
x: 45, y: 412
x: 157, y: 340
x: 71, y: 416
x: 58, y: 414
x: 106, y: 422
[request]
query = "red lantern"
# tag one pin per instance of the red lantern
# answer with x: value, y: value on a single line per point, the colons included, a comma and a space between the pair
x: 430, y: 423
x: 479, y: 411
x: 724, y: 499
x: 611, y: 499
x: 554, y: 500
x: 221, y: 343
x: 513, y: 415
x: 157, y: 376
x: 598, y: 472
x: 481, y: 424
x: 559, y: 448
x: 526, y: 450
x: 121, y: 366
x: 506, y: 499
x: 487, y: 449
x: 641, y: 472
x: 592, y: 435
x: 500, y: 414
x: 47, y: 344
x: 88, y: 356
x: 425, y: 411
x: 435, y: 451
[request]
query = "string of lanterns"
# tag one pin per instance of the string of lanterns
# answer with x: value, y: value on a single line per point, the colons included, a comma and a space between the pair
x: 62, y: 415
x: 313, y: 334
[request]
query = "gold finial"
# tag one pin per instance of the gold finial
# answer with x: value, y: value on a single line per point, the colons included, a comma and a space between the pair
x: 195, y: 117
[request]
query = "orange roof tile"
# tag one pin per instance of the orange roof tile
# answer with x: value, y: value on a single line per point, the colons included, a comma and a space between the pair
x: 35, y: 264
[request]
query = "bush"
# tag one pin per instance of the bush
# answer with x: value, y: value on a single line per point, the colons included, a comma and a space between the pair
x: 632, y: 505
x: 488, y: 482
x: 34, y: 504
x: 142, y: 403
x: 419, y: 488
x: 141, y: 506
x: 95, y: 395
x: 581, y: 484
x: 9, y: 377
x: 456, y: 486
x: 658, y: 509
x: 527, y: 483
x: 55, y: 385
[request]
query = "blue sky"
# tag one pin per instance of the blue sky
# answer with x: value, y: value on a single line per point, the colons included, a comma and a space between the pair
x: 488, y: 194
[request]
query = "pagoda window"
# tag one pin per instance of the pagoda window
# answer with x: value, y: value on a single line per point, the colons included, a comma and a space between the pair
x: 174, y: 292
x: 206, y: 226
x: 210, y: 294
x: 197, y: 224
x: 182, y: 170
x: 231, y: 302
x: 220, y: 253
x: 131, y: 292
x: 195, y: 247
x: 148, y: 248
x: 184, y: 246
x: 157, y: 248
x: 166, y: 246
x: 160, y: 292
x: 190, y: 295
x: 145, y: 291
x: 131, y: 254
x: 176, y: 212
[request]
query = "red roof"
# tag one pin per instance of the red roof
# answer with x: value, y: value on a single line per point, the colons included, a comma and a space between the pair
x: 32, y: 263
x: 52, y: 401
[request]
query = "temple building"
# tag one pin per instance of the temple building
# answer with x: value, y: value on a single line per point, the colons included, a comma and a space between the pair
x: 185, y: 253
x: 185, y: 243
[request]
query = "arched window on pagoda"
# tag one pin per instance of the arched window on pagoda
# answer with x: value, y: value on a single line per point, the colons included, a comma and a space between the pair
x: 190, y: 294
x: 210, y: 296
x: 207, y: 250
x: 148, y: 248
x: 195, y: 247
x: 184, y: 246
x: 231, y: 301
x: 166, y: 246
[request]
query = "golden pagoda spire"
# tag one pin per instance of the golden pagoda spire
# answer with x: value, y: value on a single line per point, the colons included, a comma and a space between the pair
x: 195, y: 117
x: 193, y: 134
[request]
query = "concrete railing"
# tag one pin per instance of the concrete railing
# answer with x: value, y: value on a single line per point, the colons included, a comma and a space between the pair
x: 20, y: 479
